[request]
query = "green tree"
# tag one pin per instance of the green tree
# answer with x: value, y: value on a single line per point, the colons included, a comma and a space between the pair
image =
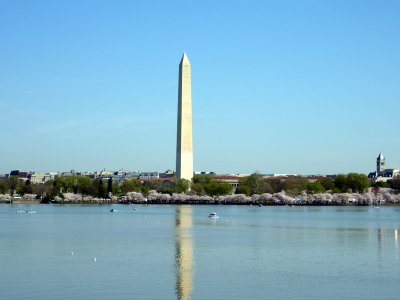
x: 14, y: 183
x: 85, y: 185
x: 4, y: 186
x: 265, y: 186
x: 327, y: 183
x: 116, y: 189
x: 381, y: 184
x: 201, y: 179
x: 315, y: 187
x: 39, y: 190
x: 101, y: 189
x: 61, y: 184
x: 198, y: 188
x: 169, y: 190
x: 144, y: 189
x: 26, y: 188
x: 182, y: 185
x: 75, y: 187
x: 154, y: 185
x: 74, y: 184
x: 277, y: 185
x: 215, y: 188
x: 202, y: 185
x: 109, y: 186
x: 243, y: 189
x: 130, y: 185
x: 395, y: 184
x: 340, y: 184
x: 358, y: 183
x: 50, y: 188
x: 250, y: 185
x: 294, y: 186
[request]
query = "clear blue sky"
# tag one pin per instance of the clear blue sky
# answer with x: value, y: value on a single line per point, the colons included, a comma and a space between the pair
x: 301, y: 86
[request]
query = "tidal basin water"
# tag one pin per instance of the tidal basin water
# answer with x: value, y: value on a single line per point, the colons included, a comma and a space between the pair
x: 177, y: 252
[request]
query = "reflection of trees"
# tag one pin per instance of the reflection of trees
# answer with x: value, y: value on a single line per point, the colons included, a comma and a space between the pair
x: 184, y: 252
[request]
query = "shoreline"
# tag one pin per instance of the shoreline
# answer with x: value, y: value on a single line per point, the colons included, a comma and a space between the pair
x: 190, y: 203
x: 386, y: 197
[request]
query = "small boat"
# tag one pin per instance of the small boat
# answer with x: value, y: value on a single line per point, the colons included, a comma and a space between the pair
x: 21, y: 211
x: 31, y: 211
x: 213, y: 215
x: 113, y: 210
x: 375, y: 206
x: 259, y: 205
x: 134, y: 208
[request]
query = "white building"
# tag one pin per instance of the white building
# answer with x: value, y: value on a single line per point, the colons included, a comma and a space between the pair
x: 38, y: 177
x: 381, y: 173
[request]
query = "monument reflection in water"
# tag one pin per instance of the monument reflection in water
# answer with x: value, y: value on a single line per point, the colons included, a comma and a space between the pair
x: 184, y: 252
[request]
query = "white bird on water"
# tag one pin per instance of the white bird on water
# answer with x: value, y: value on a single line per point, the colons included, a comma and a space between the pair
x: 72, y: 253
x: 94, y: 259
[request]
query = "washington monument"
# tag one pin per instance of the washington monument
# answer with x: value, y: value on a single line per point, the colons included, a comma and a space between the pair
x: 184, y: 144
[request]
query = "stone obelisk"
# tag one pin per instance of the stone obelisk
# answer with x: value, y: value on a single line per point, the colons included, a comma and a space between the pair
x: 184, y: 147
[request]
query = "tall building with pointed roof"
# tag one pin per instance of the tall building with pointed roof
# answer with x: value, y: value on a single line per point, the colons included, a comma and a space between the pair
x: 382, y: 173
x: 380, y: 163
x: 184, y: 148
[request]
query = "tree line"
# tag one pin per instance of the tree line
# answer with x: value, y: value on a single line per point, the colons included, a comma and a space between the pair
x: 352, y: 182
x: 201, y: 185
x: 105, y: 188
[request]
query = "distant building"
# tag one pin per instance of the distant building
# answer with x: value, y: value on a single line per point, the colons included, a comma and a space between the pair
x: 282, y: 175
x: 149, y: 175
x: 389, y: 173
x: 38, y: 177
x: 380, y: 163
x: 232, y: 180
x: 20, y: 174
x: 121, y: 175
x: 34, y: 177
x: 381, y: 173
x: 204, y: 173
x: 167, y: 174
x: 103, y: 174
x: 70, y: 173
x: 50, y: 176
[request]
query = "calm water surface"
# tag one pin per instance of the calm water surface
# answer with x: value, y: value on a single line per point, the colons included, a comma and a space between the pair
x: 177, y: 252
